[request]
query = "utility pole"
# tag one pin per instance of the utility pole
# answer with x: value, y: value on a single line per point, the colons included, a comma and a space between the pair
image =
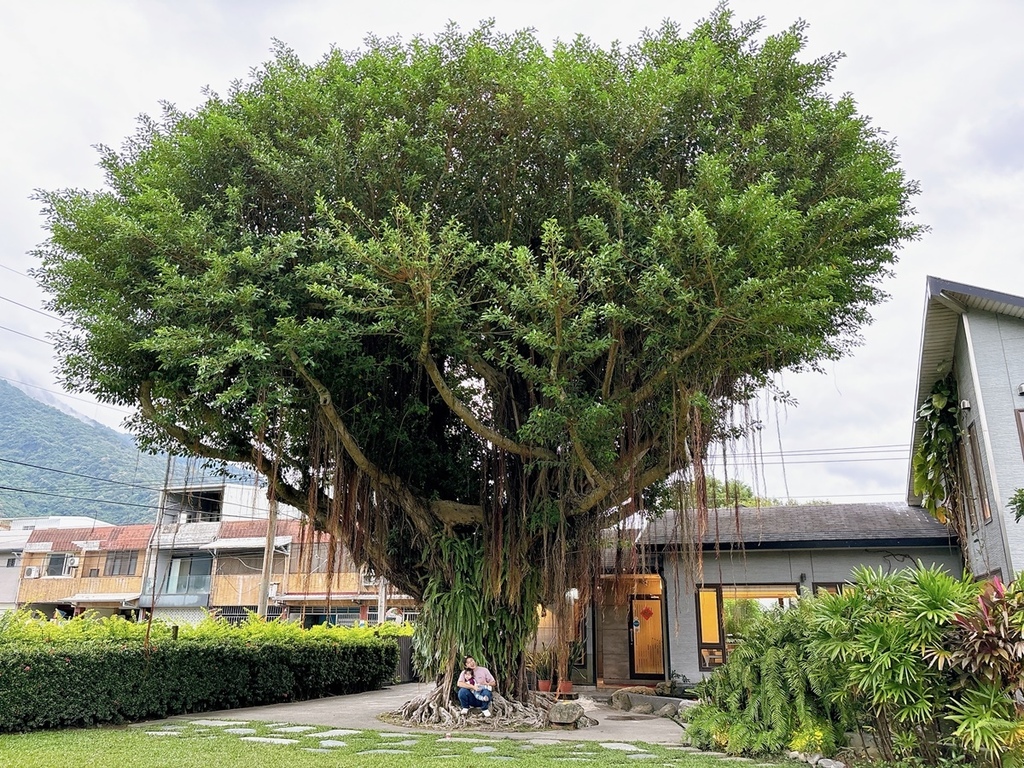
x: 382, y: 601
x: 268, y: 560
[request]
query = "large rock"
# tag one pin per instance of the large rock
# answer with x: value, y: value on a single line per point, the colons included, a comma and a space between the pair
x: 565, y: 714
x: 620, y: 700
x: 643, y: 709
x: 669, y: 710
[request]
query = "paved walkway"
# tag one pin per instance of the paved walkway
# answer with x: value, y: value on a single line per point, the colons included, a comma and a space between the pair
x: 359, y: 712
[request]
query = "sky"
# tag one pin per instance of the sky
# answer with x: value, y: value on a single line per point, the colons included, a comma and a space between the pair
x: 942, y: 78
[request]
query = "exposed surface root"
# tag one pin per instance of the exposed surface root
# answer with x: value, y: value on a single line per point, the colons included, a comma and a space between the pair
x: 439, y: 709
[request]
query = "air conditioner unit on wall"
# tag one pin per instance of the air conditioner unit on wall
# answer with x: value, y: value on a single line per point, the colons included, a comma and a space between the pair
x: 31, y: 572
x: 72, y: 562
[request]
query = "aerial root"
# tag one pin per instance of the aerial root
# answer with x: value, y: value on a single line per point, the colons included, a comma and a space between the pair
x: 438, y: 709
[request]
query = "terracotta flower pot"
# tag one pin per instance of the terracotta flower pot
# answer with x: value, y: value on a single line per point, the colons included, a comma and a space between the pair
x: 544, y: 685
x: 565, y: 686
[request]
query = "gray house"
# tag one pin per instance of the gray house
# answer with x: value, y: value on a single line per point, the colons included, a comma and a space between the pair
x: 649, y: 625
x: 979, y: 335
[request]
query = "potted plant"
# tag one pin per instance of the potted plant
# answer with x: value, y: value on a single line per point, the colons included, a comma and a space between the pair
x: 540, y: 661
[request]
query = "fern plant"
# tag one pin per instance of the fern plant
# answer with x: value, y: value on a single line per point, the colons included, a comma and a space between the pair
x: 770, y: 689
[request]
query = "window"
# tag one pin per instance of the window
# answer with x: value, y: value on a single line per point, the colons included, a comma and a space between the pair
x: 12, y: 562
x: 189, y: 575
x: 710, y: 633
x: 94, y: 573
x: 55, y: 564
x: 194, y: 506
x: 121, y: 563
x: 829, y: 587
x: 966, y: 489
x: 978, y: 471
x: 724, y: 612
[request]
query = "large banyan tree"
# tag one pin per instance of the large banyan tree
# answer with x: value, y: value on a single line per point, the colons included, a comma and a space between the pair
x: 464, y: 298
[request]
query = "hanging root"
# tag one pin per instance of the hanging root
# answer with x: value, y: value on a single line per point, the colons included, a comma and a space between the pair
x: 439, y: 709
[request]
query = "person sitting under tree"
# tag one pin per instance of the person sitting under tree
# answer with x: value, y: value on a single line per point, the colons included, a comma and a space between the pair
x: 476, y: 687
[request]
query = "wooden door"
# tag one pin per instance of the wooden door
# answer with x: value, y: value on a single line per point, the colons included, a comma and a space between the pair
x: 646, y: 649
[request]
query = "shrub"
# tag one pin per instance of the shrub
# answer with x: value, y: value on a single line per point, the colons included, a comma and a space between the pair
x: 86, y: 671
x: 771, y: 688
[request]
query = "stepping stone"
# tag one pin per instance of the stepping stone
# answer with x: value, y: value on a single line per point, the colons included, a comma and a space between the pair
x: 466, y: 740
x: 216, y: 723
x: 483, y: 750
x: 545, y: 742
x: 621, y: 746
x: 404, y: 743
x: 277, y: 725
x: 315, y: 749
x: 527, y: 746
x: 268, y: 740
x: 392, y: 735
x: 240, y: 731
x: 641, y: 756
x: 295, y: 729
x: 332, y: 743
x: 576, y: 759
x: 332, y: 733
x: 163, y: 733
x: 385, y: 752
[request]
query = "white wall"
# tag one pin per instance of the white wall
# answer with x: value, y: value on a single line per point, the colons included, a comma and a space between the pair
x: 997, y: 343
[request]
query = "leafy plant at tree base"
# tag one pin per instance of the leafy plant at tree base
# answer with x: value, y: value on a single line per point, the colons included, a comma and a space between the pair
x: 471, y: 296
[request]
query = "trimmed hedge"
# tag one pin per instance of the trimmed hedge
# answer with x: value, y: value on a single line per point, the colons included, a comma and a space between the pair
x: 61, y: 684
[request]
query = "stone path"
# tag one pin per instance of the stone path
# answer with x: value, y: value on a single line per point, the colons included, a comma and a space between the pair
x: 326, y: 740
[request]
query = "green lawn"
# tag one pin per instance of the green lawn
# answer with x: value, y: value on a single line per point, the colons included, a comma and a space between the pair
x: 197, y: 746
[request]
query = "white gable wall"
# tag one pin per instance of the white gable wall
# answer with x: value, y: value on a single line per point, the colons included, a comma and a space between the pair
x: 995, y: 344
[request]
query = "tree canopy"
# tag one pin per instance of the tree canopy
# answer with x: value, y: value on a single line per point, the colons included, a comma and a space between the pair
x: 465, y: 297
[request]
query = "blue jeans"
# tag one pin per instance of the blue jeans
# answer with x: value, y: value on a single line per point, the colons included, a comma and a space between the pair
x: 469, y: 698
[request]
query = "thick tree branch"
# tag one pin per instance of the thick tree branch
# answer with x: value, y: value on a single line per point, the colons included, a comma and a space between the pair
x: 615, y: 513
x: 463, y: 411
x: 645, y: 391
x: 196, y: 446
x: 189, y: 441
x: 392, y: 487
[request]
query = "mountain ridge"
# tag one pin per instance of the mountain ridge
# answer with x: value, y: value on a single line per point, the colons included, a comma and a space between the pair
x: 52, y: 463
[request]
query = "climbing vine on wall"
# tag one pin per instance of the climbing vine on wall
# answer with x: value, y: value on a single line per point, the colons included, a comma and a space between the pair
x: 936, y: 461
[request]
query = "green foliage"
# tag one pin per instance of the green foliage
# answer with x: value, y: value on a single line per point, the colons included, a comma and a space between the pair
x: 934, y: 464
x: 86, y: 671
x: 470, y: 288
x: 739, y: 615
x: 986, y: 647
x: 1016, y: 504
x: 772, y: 690
x: 931, y: 664
x: 458, y: 621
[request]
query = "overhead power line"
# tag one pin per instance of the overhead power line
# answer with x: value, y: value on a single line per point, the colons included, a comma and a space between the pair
x: 26, y: 335
x: 31, y: 309
x: 136, y: 486
x: 77, y: 498
x: 12, y: 269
